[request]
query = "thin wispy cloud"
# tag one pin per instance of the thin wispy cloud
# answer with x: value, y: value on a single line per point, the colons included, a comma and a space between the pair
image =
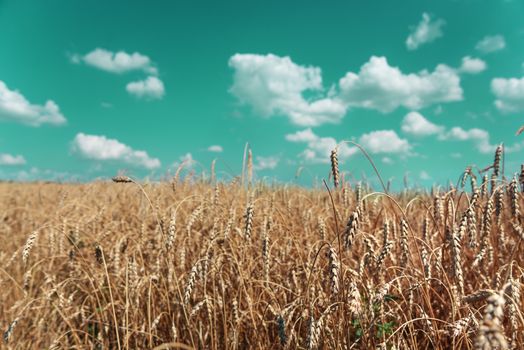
x: 425, y: 32
x: 424, y: 175
x: 491, y: 43
x: 269, y: 162
x: 215, y: 149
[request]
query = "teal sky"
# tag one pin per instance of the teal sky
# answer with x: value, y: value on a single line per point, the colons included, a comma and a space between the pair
x: 427, y: 87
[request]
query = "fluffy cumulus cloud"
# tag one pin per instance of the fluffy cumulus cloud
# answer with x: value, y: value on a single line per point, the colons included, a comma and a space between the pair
x: 116, y: 62
x: 102, y: 148
x: 491, y: 43
x: 215, y: 148
x: 472, y: 65
x: 150, y: 88
x: 8, y: 159
x: 306, y: 135
x: 318, y: 149
x: 383, y: 87
x: 274, y: 85
x: 269, y: 162
x: 384, y: 141
x: 15, y: 107
x: 509, y: 94
x: 425, y: 32
x: 416, y: 124
x: 479, y: 137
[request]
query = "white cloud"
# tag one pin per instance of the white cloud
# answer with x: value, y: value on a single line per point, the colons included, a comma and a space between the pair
x: 151, y: 87
x: 420, y: 126
x: 424, y: 175
x: 104, y: 149
x: 187, y: 159
x: 516, y: 147
x: 37, y: 174
x: 425, y: 32
x: 491, y: 43
x: 269, y: 162
x: 479, y: 136
x: 306, y: 135
x: 472, y: 65
x: 215, y: 148
x: 318, y: 148
x: 417, y: 125
x: 385, y: 88
x: 457, y: 133
x: 8, y: 159
x: 119, y: 62
x: 387, y: 160
x: 274, y: 85
x: 509, y: 93
x: 15, y: 107
x: 384, y: 141
x: 414, y: 123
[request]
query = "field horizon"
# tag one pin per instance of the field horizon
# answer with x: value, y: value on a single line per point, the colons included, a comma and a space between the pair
x: 191, y: 263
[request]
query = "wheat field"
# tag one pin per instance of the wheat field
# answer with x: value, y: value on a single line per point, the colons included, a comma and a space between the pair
x: 202, y: 263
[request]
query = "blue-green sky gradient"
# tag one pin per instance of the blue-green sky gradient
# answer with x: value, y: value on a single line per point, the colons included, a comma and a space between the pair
x: 191, y: 44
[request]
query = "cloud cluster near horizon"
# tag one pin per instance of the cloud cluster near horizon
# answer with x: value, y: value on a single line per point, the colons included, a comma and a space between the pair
x: 319, y: 148
x: 417, y: 125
